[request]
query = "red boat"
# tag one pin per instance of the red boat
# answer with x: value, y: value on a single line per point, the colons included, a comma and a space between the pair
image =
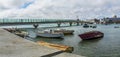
x: 91, y: 35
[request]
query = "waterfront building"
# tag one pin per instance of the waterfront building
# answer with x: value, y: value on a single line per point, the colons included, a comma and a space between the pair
x: 111, y: 20
x: 97, y: 21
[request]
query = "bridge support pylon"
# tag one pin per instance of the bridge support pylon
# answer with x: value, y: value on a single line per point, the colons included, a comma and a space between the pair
x: 78, y: 24
x: 35, y: 25
x: 70, y: 23
x: 59, y: 24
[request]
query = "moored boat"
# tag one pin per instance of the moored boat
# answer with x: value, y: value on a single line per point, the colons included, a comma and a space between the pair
x: 93, y: 26
x: 10, y: 29
x: 50, y: 34
x: 116, y: 27
x: 65, y: 31
x: 21, y: 33
x: 91, y: 35
x: 85, y: 26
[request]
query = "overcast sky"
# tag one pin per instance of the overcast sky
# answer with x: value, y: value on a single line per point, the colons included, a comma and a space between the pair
x: 85, y: 9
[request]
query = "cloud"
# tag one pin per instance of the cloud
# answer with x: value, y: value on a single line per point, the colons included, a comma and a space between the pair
x: 25, y: 5
x: 59, y: 9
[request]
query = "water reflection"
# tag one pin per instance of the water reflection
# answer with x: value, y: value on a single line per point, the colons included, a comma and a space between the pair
x: 89, y: 43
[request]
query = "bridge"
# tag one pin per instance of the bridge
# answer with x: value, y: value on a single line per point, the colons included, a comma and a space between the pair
x: 36, y: 22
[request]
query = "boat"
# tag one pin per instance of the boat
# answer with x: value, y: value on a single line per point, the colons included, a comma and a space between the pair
x: 91, y: 35
x: 65, y: 31
x: 56, y: 46
x: 116, y: 27
x: 85, y: 26
x: 50, y: 34
x: 93, y: 26
x: 21, y: 33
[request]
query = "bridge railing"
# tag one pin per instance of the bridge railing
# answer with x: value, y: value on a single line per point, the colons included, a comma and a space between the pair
x: 33, y: 20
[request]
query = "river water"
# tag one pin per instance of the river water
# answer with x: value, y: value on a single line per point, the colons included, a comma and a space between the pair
x: 108, y: 46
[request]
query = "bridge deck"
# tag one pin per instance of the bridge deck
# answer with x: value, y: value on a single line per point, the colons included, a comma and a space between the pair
x: 33, y: 20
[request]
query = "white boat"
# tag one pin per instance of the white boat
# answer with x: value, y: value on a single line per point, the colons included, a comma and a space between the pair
x: 50, y: 33
x: 64, y: 31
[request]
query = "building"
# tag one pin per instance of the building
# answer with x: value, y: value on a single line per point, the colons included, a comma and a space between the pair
x: 111, y: 20
x: 97, y: 21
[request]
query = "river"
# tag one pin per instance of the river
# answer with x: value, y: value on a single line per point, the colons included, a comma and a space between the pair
x: 108, y: 46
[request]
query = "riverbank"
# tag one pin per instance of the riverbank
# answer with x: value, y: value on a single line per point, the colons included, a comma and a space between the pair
x: 14, y: 46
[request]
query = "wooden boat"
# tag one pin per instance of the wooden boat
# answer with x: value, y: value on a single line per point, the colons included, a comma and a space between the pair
x: 21, y: 33
x: 64, y: 31
x: 50, y: 34
x: 56, y: 46
x: 91, y: 35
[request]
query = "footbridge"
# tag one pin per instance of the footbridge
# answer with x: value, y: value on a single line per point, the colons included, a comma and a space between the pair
x: 36, y: 22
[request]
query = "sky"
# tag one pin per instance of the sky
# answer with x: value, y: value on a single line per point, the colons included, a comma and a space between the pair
x: 59, y: 9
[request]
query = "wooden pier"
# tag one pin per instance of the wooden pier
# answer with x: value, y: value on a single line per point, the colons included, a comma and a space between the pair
x: 14, y: 46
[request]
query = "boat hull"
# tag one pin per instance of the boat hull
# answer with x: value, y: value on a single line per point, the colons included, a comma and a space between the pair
x: 91, y: 35
x: 65, y: 32
x: 85, y: 26
x: 49, y: 35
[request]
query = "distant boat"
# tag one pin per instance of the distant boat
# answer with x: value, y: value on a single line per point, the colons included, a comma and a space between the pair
x: 85, y: 26
x: 116, y: 27
x: 65, y: 31
x: 91, y: 35
x: 50, y: 34
x: 93, y: 26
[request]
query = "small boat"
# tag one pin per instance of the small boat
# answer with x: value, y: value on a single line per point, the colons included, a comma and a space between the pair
x: 91, y: 35
x: 56, y: 46
x: 85, y: 26
x: 93, y: 26
x: 116, y: 27
x: 21, y: 33
x: 50, y: 34
x: 64, y: 31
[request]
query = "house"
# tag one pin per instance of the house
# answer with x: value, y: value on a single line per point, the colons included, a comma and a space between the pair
x: 111, y: 20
